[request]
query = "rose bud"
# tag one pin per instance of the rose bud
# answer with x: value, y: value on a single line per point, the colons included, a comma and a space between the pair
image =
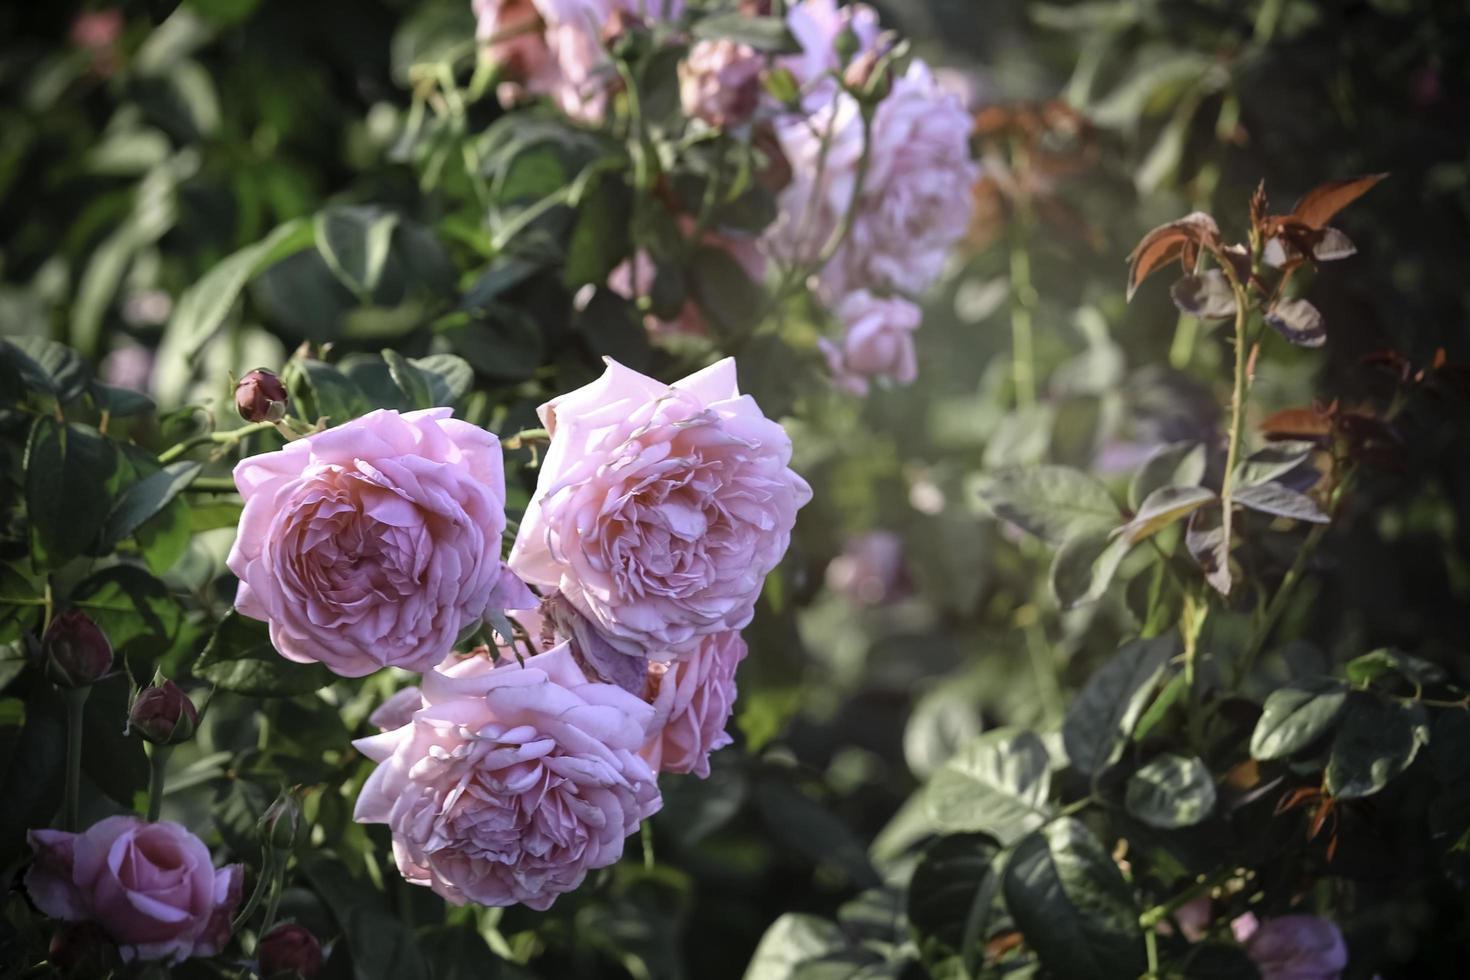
x: 82, y: 949
x: 289, y: 950
x: 164, y: 714
x: 261, y: 397
x: 76, y: 651
x: 281, y: 821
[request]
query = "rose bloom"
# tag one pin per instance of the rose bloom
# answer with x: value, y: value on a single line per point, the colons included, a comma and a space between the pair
x: 1293, y: 947
x: 692, y: 702
x: 512, y: 782
x: 372, y: 544
x: 152, y: 887
x: 659, y: 509
x: 915, y: 200
x: 720, y: 82
x: 877, y: 341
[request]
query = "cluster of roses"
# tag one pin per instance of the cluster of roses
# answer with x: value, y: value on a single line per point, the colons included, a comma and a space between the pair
x: 876, y: 171
x: 658, y: 513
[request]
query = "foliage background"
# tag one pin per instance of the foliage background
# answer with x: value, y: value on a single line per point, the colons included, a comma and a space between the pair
x: 128, y: 172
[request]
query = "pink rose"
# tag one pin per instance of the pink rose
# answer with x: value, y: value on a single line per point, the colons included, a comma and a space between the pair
x: 720, y: 82
x: 659, y: 509
x: 816, y: 25
x: 398, y: 710
x: 915, y: 200
x: 1293, y: 947
x: 871, y: 570
x: 692, y: 702
x: 372, y: 544
x: 877, y: 341
x: 152, y: 887
x: 512, y: 782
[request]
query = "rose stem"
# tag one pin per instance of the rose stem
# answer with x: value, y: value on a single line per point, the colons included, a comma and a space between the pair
x: 76, y: 699
x: 157, y: 766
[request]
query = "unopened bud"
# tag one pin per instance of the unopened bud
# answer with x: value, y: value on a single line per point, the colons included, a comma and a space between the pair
x: 82, y: 949
x: 867, y: 76
x: 261, y: 397
x: 281, y: 821
x: 76, y: 650
x: 164, y: 714
x: 289, y: 950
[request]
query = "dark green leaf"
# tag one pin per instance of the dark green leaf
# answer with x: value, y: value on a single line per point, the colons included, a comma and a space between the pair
x: 1273, y: 498
x: 62, y: 370
x: 120, y: 402
x: 136, y: 611
x: 1377, y: 740
x: 319, y: 390
x: 1371, y: 666
x: 951, y: 892
x: 382, y: 947
x: 33, y: 782
x: 998, y: 784
x: 68, y: 466
x: 447, y: 377
x: 115, y: 762
x: 767, y: 34
x: 1051, y: 502
x: 506, y: 346
x: 793, y: 939
x: 1296, y: 716
x: 1101, y: 718
x: 801, y: 823
x: 459, y: 953
x: 1163, y: 507
x: 146, y: 498
x: 1175, y: 464
x: 599, y: 236
x: 409, y: 379
x: 240, y: 658
x: 1171, y: 791
x: 730, y: 301
x: 19, y: 602
x: 354, y: 240
x: 1084, y: 565
x: 1275, y: 461
x: 1073, y: 906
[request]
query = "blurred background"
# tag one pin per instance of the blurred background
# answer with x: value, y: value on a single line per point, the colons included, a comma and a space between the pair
x: 141, y: 143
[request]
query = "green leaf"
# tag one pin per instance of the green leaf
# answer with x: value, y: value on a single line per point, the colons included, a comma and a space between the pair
x: 409, y: 379
x: 146, y: 498
x: 113, y: 761
x: 459, y: 952
x: 1073, y: 906
x: 1163, y: 507
x: 449, y: 378
x: 793, y: 939
x: 1101, y: 719
x: 319, y: 390
x: 164, y: 537
x: 1273, y: 498
x: 239, y: 658
x: 1371, y: 666
x: 120, y: 402
x: 141, y: 618
x: 1051, y: 502
x: 214, y: 514
x: 32, y: 783
x: 67, y: 466
x: 1084, y: 566
x: 57, y: 368
x: 944, y: 719
x: 354, y: 240
x: 806, y: 826
x: 19, y: 605
x: 1275, y: 461
x: 1171, y: 791
x: 1174, y: 464
x: 382, y: 947
x: 998, y: 784
x: 1377, y: 741
x: 507, y: 345
x: 767, y: 34
x: 725, y: 293
x: 951, y: 892
x: 1296, y: 716
x: 599, y: 237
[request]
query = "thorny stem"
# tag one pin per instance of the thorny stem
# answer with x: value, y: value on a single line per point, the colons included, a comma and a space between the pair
x: 1160, y: 912
x: 157, y: 774
x: 1237, y: 418
x: 76, y: 700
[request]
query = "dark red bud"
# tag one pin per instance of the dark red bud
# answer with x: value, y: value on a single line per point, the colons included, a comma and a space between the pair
x: 164, y: 714
x: 261, y: 397
x: 82, y: 949
x: 76, y: 650
x: 289, y: 950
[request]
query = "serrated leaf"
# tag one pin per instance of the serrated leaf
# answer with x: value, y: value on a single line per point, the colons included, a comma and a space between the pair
x: 1298, y: 321
x: 1273, y: 498
x: 1100, y: 721
x: 1377, y: 741
x: 1073, y: 906
x: 1051, y: 502
x: 998, y: 784
x: 1296, y: 716
x: 146, y: 498
x: 240, y: 658
x: 1163, y: 507
x: 1171, y: 791
x: 1207, y: 295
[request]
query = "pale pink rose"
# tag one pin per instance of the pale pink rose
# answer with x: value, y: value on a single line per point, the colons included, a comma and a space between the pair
x: 877, y: 341
x: 659, y: 509
x: 915, y: 200
x: 398, y: 710
x: 720, y: 82
x: 152, y: 887
x: 1293, y: 947
x: 516, y: 42
x: 871, y: 569
x: 816, y: 25
x: 692, y: 701
x: 372, y: 544
x: 1193, y: 919
x: 128, y: 365
x: 512, y: 782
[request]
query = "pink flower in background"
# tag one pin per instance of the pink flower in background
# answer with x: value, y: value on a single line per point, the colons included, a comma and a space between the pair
x: 816, y: 25
x: 152, y: 887
x: 693, y: 700
x: 129, y: 365
x: 512, y: 782
x: 871, y: 569
x: 720, y: 82
x: 659, y: 509
x: 877, y: 341
x: 1293, y: 947
x: 374, y: 543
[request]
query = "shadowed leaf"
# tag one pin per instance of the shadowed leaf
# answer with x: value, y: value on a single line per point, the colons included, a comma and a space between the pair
x: 1273, y: 498
x: 1298, y: 321
x: 1207, y: 295
x: 1163, y: 507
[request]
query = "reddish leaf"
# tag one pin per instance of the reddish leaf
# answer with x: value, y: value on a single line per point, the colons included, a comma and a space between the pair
x: 1182, y: 239
x: 1304, y: 424
x: 1319, y: 204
